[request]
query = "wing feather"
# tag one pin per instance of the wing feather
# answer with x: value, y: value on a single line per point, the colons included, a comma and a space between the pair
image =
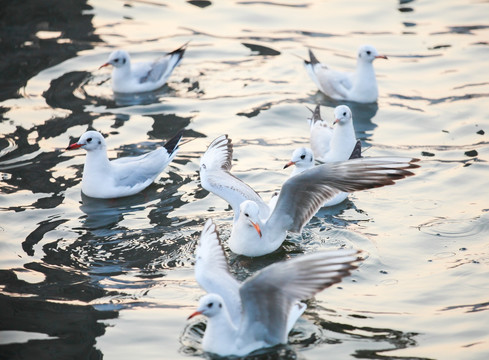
x: 269, y: 295
x: 212, y: 271
x: 302, y: 195
x: 215, y: 176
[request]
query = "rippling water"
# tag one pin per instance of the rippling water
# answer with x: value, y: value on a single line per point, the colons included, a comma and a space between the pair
x: 83, y: 278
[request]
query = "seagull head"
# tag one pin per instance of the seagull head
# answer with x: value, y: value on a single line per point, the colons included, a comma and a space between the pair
x: 368, y: 53
x: 209, y: 305
x: 342, y: 115
x: 249, y: 213
x: 91, y: 140
x: 302, y: 158
x: 117, y: 59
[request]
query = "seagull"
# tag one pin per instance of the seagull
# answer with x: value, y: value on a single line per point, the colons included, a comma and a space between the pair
x: 258, y: 313
x: 303, y: 159
x: 212, y: 274
x: 359, y: 86
x: 141, y: 76
x: 332, y: 144
x: 258, y: 229
x: 121, y: 177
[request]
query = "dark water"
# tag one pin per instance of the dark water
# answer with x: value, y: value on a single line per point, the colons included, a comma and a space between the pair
x: 82, y: 278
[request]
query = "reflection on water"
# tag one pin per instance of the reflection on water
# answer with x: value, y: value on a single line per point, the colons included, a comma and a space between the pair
x: 85, y: 278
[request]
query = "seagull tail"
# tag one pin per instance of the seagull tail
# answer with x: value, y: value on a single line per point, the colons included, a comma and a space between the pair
x: 172, y: 145
x: 357, y: 151
x: 313, y: 59
x: 177, y: 54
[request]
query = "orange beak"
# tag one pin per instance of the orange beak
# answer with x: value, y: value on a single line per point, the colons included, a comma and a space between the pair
x: 194, y: 314
x: 257, y: 227
x: 104, y: 65
x: 74, y: 146
x: 381, y: 57
x: 290, y: 163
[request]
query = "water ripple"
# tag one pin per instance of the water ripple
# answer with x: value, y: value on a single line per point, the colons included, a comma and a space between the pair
x: 454, y: 228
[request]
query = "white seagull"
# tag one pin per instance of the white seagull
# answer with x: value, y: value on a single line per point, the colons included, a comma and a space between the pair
x: 141, y: 76
x: 359, y: 86
x: 106, y: 179
x: 259, y: 313
x: 332, y: 143
x: 303, y: 159
x: 258, y: 229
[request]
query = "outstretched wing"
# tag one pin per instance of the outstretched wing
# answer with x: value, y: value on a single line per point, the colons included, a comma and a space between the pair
x: 212, y: 271
x: 302, y: 195
x: 269, y: 295
x: 215, y: 176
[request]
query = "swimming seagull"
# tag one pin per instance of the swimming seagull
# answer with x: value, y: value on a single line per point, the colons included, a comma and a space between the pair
x: 332, y: 143
x: 124, y: 176
x: 257, y: 230
x: 212, y: 274
x: 258, y: 313
x: 359, y: 86
x: 141, y: 76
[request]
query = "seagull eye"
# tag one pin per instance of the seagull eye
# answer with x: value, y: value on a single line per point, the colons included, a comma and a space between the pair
x: 116, y: 60
x: 210, y: 305
x: 303, y: 157
x: 344, y: 114
x: 247, y: 215
x: 368, y: 52
x: 220, y: 305
x: 89, y: 139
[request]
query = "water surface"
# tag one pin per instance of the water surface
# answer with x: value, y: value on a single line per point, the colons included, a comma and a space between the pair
x: 83, y: 278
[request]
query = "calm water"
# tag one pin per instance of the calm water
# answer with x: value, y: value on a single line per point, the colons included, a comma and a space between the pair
x: 90, y: 279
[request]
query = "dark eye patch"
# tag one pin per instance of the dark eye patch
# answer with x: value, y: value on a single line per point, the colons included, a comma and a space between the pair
x: 303, y: 157
x: 210, y: 305
x: 89, y: 139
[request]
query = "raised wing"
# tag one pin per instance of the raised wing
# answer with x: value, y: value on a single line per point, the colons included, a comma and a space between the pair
x: 212, y: 271
x: 269, y: 295
x: 215, y: 177
x: 302, y: 195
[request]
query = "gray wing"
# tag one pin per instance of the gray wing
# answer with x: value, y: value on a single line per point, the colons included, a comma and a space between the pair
x: 216, y: 178
x: 162, y: 68
x: 269, y: 295
x: 143, y: 169
x: 212, y: 271
x: 302, y: 195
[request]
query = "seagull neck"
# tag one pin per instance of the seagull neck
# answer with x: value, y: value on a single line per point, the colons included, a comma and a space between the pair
x: 364, y: 69
x: 220, y: 334
x: 364, y: 82
x: 96, y: 161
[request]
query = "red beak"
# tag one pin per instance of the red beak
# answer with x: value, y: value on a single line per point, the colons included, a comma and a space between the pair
x: 381, y: 57
x: 336, y: 121
x: 104, y: 65
x: 257, y: 227
x: 194, y: 314
x: 74, y: 146
x: 290, y: 163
